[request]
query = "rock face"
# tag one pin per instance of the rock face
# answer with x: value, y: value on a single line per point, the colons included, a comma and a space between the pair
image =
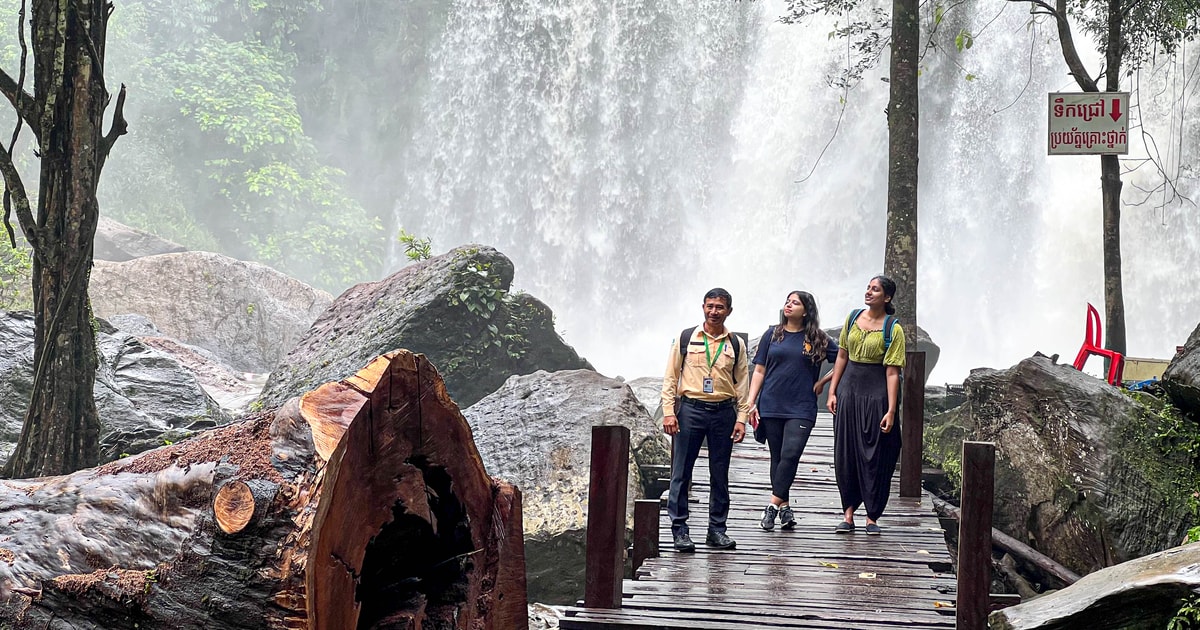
x: 1182, y: 378
x: 247, y: 314
x: 1141, y: 593
x: 455, y: 309
x: 118, y: 243
x: 144, y: 396
x: 535, y: 432
x: 1081, y: 472
x: 648, y: 390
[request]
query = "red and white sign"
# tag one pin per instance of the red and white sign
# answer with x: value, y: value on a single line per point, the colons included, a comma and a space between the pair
x: 1088, y: 123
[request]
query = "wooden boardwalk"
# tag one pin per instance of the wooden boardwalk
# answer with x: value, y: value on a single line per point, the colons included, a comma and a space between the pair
x: 808, y: 577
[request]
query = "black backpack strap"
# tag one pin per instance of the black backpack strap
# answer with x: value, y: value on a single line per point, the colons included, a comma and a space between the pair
x: 685, y: 338
x: 737, y: 350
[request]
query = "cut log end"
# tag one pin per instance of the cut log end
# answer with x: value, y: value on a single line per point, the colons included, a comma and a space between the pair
x: 233, y: 507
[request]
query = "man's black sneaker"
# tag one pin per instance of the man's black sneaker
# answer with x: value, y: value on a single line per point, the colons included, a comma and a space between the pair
x: 684, y: 543
x: 768, y: 518
x: 787, y: 520
x: 718, y: 540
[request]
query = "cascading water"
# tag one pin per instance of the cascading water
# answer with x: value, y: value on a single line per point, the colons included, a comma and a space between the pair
x: 630, y: 155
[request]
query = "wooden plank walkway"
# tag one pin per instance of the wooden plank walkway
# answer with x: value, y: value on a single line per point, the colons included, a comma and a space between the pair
x: 808, y: 577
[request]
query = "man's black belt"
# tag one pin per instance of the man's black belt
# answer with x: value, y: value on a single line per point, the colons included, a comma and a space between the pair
x: 710, y: 406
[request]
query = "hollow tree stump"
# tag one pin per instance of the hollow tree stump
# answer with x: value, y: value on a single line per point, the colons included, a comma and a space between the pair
x: 362, y: 504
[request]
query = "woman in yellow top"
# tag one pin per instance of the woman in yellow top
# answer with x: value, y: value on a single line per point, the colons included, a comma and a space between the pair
x: 863, y: 398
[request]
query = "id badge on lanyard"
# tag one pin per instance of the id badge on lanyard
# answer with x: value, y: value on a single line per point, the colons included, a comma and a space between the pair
x: 712, y: 360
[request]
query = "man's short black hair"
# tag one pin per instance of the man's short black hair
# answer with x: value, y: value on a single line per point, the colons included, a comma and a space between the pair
x: 719, y: 294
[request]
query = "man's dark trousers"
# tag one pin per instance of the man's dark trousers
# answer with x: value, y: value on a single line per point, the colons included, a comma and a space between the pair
x: 696, y: 422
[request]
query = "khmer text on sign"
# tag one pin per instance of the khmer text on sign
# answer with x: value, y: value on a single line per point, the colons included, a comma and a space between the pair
x: 1089, y: 123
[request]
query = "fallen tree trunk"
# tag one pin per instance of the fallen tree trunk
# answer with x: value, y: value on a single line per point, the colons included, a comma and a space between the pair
x: 362, y: 504
x: 1020, y: 550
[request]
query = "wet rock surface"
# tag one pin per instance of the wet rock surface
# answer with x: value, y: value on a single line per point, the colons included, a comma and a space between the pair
x: 247, y: 314
x: 1079, y: 473
x: 1182, y: 378
x: 1141, y: 593
x: 455, y: 308
x: 535, y: 432
x: 144, y: 396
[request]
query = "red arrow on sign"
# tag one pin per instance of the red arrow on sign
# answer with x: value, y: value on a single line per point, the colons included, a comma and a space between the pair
x: 1116, y: 109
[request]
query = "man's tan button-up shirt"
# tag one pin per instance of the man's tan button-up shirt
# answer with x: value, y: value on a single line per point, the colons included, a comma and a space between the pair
x: 685, y: 376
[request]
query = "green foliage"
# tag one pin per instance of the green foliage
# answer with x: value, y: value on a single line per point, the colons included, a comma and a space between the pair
x: 415, y: 248
x: 964, y: 40
x: 1166, y: 448
x: 16, y: 285
x: 218, y: 158
x: 1188, y: 615
x: 504, y: 317
x: 1148, y: 27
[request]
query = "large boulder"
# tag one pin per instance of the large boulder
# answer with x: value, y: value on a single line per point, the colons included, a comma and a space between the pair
x: 247, y: 314
x: 1182, y: 378
x: 1141, y: 593
x: 536, y: 432
x: 648, y: 390
x: 117, y: 242
x: 455, y: 308
x: 1085, y: 473
x: 144, y: 396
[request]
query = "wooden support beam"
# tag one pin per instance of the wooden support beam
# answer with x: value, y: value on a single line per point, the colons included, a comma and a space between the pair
x: 912, y: 424
x: 975, y: 535
x: 645, y: 532
x: 605, y: 563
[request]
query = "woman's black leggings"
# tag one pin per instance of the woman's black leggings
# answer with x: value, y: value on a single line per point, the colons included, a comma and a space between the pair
x: 786, y: 438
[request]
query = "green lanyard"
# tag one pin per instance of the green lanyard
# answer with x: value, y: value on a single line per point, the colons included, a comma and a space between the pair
x: 711, y: 359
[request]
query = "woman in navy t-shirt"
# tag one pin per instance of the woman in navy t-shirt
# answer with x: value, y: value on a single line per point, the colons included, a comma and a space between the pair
x: 783, y: 394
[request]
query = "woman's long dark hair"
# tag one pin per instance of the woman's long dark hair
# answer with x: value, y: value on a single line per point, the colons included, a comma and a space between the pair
x: 889, y: 289
x: 814, y: 337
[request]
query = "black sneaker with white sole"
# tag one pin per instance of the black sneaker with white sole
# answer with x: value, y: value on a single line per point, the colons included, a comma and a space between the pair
x: 787, y: 520
x: 768, y: 518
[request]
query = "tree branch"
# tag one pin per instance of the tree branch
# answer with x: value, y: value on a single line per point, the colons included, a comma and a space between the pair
x: 119, y: 128
x: 14, y: 190
x: 21, y: 100
x: 1070, y: 55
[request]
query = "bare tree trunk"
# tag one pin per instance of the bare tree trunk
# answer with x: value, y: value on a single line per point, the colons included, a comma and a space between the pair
x: 1110, y: 182
x: 900, y: 249
x: 62, y: 429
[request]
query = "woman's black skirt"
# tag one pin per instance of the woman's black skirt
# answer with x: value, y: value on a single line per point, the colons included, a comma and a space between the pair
x: 864, y: 457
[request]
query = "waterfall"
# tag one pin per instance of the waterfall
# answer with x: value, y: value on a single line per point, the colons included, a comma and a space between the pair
x: 629, y: 155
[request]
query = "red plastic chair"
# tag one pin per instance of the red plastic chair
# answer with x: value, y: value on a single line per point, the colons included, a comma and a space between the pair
x: 1091, y: 345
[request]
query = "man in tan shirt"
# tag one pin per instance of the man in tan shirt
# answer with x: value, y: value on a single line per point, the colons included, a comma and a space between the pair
x: 711, y: 378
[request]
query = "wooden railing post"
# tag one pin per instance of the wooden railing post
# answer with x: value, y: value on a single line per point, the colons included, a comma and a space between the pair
x: 912, y: 424
x: 605, y: 564
x: 975, y: 535
x: 645, y: 532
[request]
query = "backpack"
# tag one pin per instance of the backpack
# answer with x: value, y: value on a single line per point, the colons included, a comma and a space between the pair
x: 685, y: 337
x: 889, y: 323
